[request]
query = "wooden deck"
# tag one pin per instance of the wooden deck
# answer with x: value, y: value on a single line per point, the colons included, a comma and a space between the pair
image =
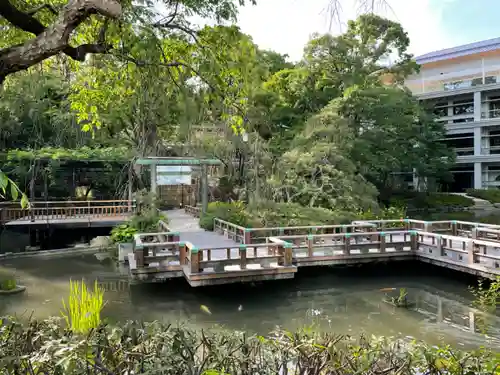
x: 468, y: 247
x: 71, y: 214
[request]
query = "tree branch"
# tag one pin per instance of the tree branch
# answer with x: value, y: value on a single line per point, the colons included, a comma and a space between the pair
x: 49, y: 7
x: 53, y: 39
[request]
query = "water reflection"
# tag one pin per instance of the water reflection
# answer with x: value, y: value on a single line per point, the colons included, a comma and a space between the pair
x: 346, y: 301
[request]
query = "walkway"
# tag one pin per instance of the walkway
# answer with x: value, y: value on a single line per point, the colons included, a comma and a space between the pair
x: 190, y: 231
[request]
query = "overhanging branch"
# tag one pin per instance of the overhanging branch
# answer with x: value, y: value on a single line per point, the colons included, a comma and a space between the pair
x: 53, y: 39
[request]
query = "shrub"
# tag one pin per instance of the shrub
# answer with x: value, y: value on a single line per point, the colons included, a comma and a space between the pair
x: 491, y: 195
x: 429, y: 201
x: 273, y: 214
x: 123, y: 233
x: 44, y: 347
x: 234, y: 212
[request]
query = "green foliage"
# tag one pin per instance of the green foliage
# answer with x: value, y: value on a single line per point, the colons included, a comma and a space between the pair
x: 233, y: 212
x: 387, y: 213
x: 8, y: 283
x: 82, y: 313
x: 9, y: 188
x: 272, y: 214
x: 123, y: 233
x: 491, y: 195
x: 430, y: 201
x: 487, y: 295
x: 154, y: 348
x: 83, y: 153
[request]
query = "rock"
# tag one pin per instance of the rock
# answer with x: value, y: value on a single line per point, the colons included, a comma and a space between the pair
x: 101, y: 241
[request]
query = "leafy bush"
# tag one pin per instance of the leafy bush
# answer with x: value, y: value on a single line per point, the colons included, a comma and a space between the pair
x: 234, y: 212
x: 491, y: 195
x: 44, y: 347
x: 123, y: 233
x: 429, y: 201
x: 388, y: 213
x: 273, y: 214
x: 83, y: 310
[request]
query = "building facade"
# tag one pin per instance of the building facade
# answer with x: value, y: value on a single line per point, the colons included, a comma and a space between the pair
x: 462, y: 84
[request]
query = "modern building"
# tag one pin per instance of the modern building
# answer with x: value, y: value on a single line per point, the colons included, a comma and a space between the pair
x: 463, y: 86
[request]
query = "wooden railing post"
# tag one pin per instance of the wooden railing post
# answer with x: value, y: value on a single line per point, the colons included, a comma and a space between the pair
x: 195, y: 260
x: 381, y: 237
x: 413, y: 240
x: 427, y: 227
x: 247, y: 236
x: 473, y: 233
x: 182, y: 253
x: 310, y: 245
x: 347, y: 244
x: 139, y: 255
x: 243, y: 257
x: 471, y: 259
x: 439, y: 244
x: 288, y: 254
x: 454, y: 229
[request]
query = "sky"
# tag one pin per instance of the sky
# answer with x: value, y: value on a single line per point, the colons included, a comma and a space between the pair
x: 285, y: 26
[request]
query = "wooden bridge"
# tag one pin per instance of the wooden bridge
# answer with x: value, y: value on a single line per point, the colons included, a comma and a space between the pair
x: 101, y: 213
x: 254, y: 254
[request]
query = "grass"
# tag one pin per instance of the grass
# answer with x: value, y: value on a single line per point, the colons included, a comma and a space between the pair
x: 83, y: 310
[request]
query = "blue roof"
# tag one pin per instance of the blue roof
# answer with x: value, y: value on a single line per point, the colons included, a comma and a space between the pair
x: 459, y: 51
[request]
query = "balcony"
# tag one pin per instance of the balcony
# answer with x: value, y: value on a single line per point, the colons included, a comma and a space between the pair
x: 439, y: 88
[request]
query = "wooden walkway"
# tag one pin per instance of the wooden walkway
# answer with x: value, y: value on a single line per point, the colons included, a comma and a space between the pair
x: 72, y: 214
x: 235, y: 254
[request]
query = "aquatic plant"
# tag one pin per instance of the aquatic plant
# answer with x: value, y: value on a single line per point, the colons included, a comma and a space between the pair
x: 45, y: 347
x: 487, y: 298
x: 400, y: 301
x: 8, y: 283
x: 83, y: 310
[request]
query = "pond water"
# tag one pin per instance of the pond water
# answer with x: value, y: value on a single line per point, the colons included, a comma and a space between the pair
x: 342, y: 300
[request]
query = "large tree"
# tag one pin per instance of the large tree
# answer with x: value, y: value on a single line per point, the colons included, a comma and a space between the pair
x: 34, y: 30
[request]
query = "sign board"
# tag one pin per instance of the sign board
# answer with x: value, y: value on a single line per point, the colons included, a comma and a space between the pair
x: 173, y: 175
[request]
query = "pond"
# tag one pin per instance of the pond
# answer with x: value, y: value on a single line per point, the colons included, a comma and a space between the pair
x: 342, y: 300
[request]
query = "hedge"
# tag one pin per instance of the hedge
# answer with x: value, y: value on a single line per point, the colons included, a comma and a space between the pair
x: 491, y: 195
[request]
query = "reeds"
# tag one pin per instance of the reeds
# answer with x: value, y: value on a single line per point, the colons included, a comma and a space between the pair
x: 83, y: 311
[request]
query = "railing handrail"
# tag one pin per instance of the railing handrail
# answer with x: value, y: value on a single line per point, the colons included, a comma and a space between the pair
x: 71, y: 202
x: 230, y: 224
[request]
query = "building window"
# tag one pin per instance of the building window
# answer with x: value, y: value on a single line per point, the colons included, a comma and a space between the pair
x: 463, y: 107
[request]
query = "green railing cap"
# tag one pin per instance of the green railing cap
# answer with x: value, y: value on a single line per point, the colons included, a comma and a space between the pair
x: 347, y: 235
x: 310, y: 237
x: 174, y: 233
x: 382, y: 233
x: 248, y: 229
x: 182, y: 243
x: 287, y: 245
x: 194, y: 250
x: 243, y: 247
x: 413, y: 233
x: 453, y: 221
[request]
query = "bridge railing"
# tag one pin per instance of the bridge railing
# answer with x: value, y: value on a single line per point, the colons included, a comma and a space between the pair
x: 460, y: 251
x: 217, y: 258
x: 349, y: 244
x: 235, y: 232
x: 66, y: 209
x: 260, y: 234
x: 193, y: 210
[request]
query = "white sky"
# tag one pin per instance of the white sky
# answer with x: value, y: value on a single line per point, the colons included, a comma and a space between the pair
x: 286, y: 25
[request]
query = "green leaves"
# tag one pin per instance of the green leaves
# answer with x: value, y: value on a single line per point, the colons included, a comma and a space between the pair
x: 7, y: 185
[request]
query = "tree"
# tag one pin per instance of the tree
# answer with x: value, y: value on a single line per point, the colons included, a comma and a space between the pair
x: 33, y: 31
x: 391, y: 132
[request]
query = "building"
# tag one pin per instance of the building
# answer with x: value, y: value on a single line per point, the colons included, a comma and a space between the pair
x: 463, y: 86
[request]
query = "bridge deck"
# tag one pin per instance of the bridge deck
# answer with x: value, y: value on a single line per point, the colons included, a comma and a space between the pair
x: 190, y: 231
